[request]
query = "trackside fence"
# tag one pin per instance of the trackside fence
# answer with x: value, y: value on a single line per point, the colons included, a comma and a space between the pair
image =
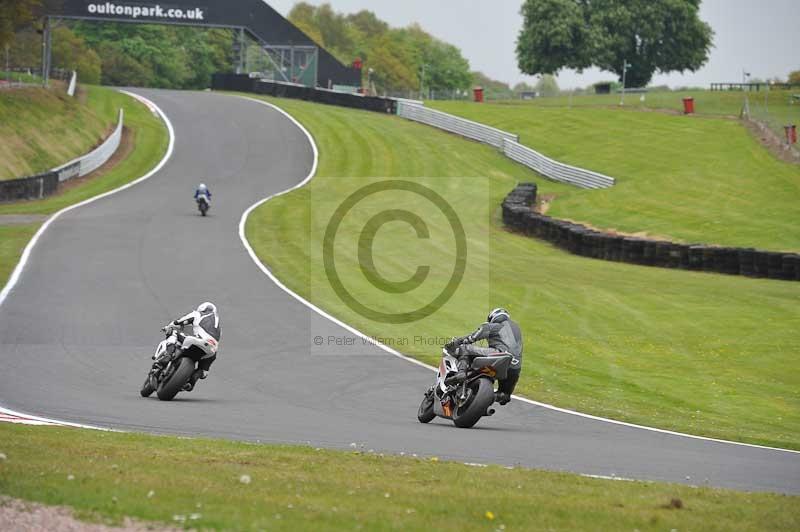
x: 43, y: 185
x: 506, y: 142
x: 454, y: 124
x: 519, y: 215
x: 553, y: 169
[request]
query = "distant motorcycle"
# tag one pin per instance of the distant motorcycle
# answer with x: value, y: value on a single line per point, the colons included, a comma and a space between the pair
x: 172, y: 378
x: 203, y: 204
x: 463, y: 402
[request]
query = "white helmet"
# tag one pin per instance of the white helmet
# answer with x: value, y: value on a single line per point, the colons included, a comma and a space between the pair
x: 494, y: 315
x: 202, y: 187
x: 207, y: 307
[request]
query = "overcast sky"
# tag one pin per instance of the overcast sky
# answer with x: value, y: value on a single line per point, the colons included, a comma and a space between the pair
x: 756, y: 35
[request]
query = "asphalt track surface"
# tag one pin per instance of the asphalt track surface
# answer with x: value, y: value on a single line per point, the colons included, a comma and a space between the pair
x: 77, y: 332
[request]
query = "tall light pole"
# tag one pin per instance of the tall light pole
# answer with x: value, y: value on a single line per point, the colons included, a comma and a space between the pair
x: 625, y: 66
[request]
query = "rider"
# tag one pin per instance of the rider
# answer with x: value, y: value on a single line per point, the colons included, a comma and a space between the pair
x: 206, y: 333
x: 202, y: 190
x: 503, y: 335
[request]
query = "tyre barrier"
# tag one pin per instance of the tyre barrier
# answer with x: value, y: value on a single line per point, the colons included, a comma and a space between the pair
x: 518, y: 214
x: 25, y: 188
x: 244, y: 83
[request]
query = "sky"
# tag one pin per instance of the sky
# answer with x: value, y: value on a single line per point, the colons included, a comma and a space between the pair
x: 757, y: 36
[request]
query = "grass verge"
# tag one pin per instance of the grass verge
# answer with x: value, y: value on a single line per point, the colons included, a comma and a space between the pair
x: 694, y: 352
x: 41, y: 129
x: 150, y: 139
x: 692, y: 179
x: 198, y: 483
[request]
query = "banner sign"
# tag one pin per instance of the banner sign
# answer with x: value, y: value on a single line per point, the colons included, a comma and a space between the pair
x: 157, y: 12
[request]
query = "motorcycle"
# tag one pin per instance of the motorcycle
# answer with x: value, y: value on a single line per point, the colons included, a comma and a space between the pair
x: 464, y: 402
x: 203, y: 204
x: 167, y: 380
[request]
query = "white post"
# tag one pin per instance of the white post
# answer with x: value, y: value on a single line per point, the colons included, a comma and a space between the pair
x: 625, y: 66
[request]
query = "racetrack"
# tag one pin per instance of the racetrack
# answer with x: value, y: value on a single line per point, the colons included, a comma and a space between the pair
x: 77, y: 331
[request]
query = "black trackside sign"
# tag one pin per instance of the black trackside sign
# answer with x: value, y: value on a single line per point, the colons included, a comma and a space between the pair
x: 149, y: 11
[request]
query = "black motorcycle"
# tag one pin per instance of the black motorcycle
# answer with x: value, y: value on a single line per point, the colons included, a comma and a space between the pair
x: 464, y: 401
x: 203, y: 204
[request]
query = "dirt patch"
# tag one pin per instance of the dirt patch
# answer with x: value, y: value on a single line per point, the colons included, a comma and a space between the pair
x: 543, y: 203
x: 126, y: 147
x: 24, y: 516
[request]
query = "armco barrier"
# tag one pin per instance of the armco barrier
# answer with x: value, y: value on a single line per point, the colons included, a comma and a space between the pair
x: 553, y: 169
x: 244, y: 83
x: 96, y: 158
x: 507, y: 142
x: 454, y: 124
x: 519, y: 215
x: 43, y: 185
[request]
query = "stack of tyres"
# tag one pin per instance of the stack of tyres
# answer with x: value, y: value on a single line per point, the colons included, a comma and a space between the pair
x: 775, y: 265
x: 583, y: 241
x: 747, y: 262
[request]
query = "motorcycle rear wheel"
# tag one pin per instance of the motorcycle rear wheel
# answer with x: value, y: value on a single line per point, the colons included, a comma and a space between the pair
x: 482, y: 398
x: 425, y: 413
x: 168, y: 389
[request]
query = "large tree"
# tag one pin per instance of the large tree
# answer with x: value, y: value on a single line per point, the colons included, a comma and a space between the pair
x: 398, y: 58
x: 15, y: 15
x: 651, y: 35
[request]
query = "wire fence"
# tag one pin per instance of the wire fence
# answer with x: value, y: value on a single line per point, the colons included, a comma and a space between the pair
x: 18, y: 77
x: 776, y: 111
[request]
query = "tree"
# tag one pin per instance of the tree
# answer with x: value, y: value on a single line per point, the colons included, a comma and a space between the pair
x: 397, y: 56
x: 71, y: 53
x: 521, y: 87
x: 547, y: 86
x: 15, y: 15
x: 794, y: 77
x: 652, y: 36
x: 493, y: 89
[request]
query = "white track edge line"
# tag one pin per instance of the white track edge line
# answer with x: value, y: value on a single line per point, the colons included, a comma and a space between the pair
x: 268, y: 273
x: 17, y: 273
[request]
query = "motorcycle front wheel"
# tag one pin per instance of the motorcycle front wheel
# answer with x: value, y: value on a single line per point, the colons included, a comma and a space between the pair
x: 425, y: 413
x: 482, y: 397
x: 147, y: 388
x: 168, y: 389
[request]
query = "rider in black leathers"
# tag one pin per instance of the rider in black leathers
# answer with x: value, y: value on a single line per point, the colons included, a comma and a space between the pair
x: 503, y: 335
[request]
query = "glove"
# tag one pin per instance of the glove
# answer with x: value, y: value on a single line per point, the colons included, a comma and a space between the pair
x: 457, y: 341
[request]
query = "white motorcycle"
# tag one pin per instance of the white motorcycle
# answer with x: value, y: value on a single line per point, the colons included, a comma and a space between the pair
x: 464, y: 401
x: 170, y: 378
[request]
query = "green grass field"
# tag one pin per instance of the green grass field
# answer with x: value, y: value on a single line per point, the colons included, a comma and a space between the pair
x: 692, y: 179
x: 150, y: 142
x: 699, y: 353
x: 197, y: 483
